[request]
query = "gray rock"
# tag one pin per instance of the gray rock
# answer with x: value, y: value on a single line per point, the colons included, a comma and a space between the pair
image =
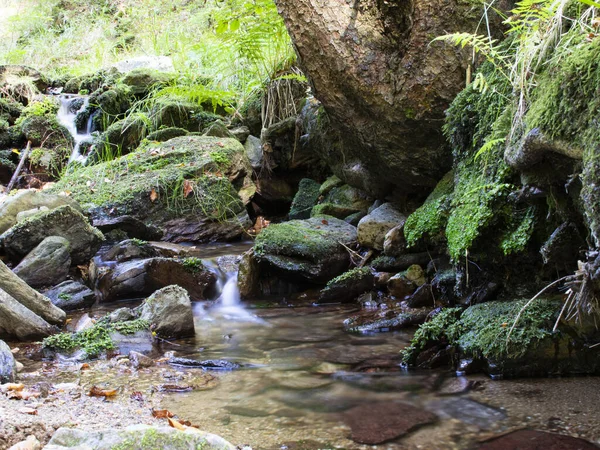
x: 254, y: 151
x: 373, y: 227
x: 121, y: 315
x: 407, y: 282
x: 8, y: 367
x: 142, y: 437
x: 47, y: 264
x: 249, y: 275
x: 348, y: 286
x: 63, y: 221
x: 241, y: 133
x: 130, y: 249
x: 169, y: 312
x: 143, y: 277
x: 342, y: 201
x: 140, y: 361
x: 27, y: 200
x: 71, y: 295
x: 394, y: 243
x: 19, y: 322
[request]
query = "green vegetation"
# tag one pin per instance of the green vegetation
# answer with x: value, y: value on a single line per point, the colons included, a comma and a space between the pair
x: 94, y: 340
x: 355, y: 274
x: 193, y: 264
x: 483, y: 330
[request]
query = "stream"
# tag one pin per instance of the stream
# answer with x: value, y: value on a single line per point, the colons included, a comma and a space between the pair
x: 301, y: 373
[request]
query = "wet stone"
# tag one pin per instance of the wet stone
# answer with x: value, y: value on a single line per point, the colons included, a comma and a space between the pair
x: 209, y: 364
x: 469, y: 411
x: 536, y: 440
x: 376, y: 423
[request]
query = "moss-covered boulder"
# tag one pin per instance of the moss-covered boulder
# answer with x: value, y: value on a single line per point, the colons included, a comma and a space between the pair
x: 169, y: 312
x: 7, y: 166
x: 171, y: 112
x: 311, y: 250
x: 142, y: 80
x: 164, y: 134
x: 341, y: 201
x: 119, y: 139
x: 489, y: 337
x: 218, y: 129
x: 45, y: 130
x: 63, y: 221
x: 305, y: 199
x: 373, y: 227
x: 187, y: 187
x: 86, y: 84
x: 104, y: 107
x: 348, y: 286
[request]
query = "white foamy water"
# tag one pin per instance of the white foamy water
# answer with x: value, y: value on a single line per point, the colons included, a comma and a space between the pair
x: 66, y: 116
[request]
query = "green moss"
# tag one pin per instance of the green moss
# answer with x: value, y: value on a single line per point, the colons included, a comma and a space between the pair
x: 47, y: 107
x: 430, y: 219
x: 516, y: 237
x: 94, y: 340
x: 164, y: 169
x: 305, y: 199
x: 483, y: 330
x: 220, y: 158
x: 139, y: 242
x: 64, y: 296
x: 353, y: 274
x: 193, y: 264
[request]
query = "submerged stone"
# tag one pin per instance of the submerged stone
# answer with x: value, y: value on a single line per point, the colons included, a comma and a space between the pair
x: 71, y: 295
x: 209, y: 364
x: 536, y: 440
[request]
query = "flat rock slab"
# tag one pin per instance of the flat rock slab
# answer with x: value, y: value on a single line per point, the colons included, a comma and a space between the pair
x: 375, y: 423
x: 536, y: 440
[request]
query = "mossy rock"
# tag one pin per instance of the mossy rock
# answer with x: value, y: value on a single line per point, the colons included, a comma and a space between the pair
x: 46, y: 131
x: 305, y: 199
x: 89, y: 83
x: 483, y: 334
x: 310, y: 250
x: 186, y: 186
x: 142, y: 80
x: 348, y: 286
x: 341, y: 200
x: 10, y: 110
x: 49, y: 162
x: 105, y: 106
x: 218, y: 129
x: 7, y: 165
x: 120, y: 138
x: 164, y: 134
x: 171, y: 112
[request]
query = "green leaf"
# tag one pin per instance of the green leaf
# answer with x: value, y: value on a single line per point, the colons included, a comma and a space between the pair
x: 234, y: 25
x: 222, y: 27
x: 590, y: 3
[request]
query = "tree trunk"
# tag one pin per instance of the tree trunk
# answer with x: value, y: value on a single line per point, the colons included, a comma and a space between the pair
x: 384, y: 85
x: 29, y: 298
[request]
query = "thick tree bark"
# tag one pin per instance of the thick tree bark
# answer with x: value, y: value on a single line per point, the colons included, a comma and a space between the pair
x: 29, y: 298
x: 383, y: 83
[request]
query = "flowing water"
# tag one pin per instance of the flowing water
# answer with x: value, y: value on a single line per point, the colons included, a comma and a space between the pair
x: 66, y: 116
x: 300, y: 373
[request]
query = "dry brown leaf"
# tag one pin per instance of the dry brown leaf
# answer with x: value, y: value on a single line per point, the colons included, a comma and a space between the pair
x: 14, y: 387
x: 95, y: 391
x: 137, y: 396
x: 30, y: 411
x: 15, y: 350
x: 153, y: 195
x: 22, y: 395
x: 175, y: 424
x: 162, y: 413
x: 188, y: 188
x: 85, y: 366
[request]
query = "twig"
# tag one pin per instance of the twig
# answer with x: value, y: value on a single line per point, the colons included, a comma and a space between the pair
x: 554, y: 283
x: 24, y: 156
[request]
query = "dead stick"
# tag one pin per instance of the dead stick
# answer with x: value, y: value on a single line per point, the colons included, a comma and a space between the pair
x: 13, y: 180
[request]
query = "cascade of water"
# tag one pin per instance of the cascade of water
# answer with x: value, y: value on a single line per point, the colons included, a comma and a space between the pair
x: 66, y: 116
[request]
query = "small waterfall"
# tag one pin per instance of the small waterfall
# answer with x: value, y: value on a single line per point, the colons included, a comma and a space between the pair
x: 70, y: 106
x: 228, y: 304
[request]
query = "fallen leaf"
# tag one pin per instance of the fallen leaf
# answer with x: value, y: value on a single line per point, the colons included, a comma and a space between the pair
x: 175, y: 424
x: 220, y: 144
x: 95, y: 391
x: 85, y: 366
x: 30, y: 411
x: 188, y: 188
x: 153, y: 195
x: 162, y: 413
x: 12, y: 387
x: 22, y: 395
x: 15, y: 350
x: 324, y: 222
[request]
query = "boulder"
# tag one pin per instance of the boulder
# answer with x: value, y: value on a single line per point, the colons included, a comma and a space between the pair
x: 169, y: 312
x: 305, y: 199
x: 120, y: 138
x: 30, y: 213
x: 143, y: 277
x: 241, y: 133
x: 373, y: 227
x: 186, y: 187
x: 142, y: 80
x: 47, y: 132
x: 394, y: 243
x: 8, y: 366
x: 27, y: 200
x: 130, y: 249
x: 164, y: 134
x: 19, y: 322
x: 71, y: 295
x: 47, y: 264
x: 407, y: 282
x: 249, y: 275
x: 311, y: 250
x: 342, y: 201
x: 140, y: 361
x: 254, y: 151
x: 218, y: 129
x: 348, y: 286
x: 143, y: 437
x: 63, y: 221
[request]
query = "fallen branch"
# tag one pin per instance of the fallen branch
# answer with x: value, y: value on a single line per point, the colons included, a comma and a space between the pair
x: 15, y: 176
